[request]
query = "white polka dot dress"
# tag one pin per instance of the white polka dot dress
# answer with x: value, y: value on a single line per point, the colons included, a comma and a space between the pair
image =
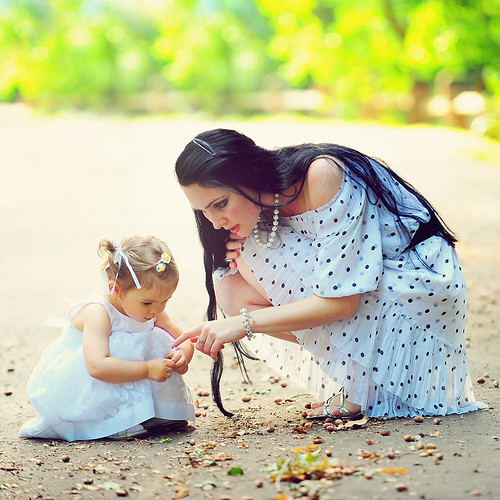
x: 402, y: 354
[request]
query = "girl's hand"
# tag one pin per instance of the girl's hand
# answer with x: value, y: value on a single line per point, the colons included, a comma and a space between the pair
x: 233, y: 247
x: 212, y: 335
x: 160, y: 369
x: 181, y: 363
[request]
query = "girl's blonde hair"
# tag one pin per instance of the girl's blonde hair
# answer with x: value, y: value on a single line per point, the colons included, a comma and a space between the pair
x: 144, y: 253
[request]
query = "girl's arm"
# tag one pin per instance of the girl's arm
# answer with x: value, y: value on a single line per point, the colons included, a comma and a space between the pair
x: 164, y: 321
x: 96, y: 329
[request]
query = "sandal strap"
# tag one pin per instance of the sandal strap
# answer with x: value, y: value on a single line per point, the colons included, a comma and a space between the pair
x: 343, y: 411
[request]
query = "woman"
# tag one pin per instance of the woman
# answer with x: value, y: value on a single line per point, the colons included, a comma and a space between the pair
x: 344, y: 268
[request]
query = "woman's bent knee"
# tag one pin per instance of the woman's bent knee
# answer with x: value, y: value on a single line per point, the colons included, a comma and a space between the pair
x: 233, y: 293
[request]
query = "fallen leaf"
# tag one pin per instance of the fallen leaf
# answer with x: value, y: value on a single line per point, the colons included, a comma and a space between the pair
x: 9, y: 467
x: 180, y: 492
x: 109, y: 486
x: 354, y: 424
x: 393, y: 470
x: 205, y: 483
x: 305, y: 449
x: 235, y: 471
x: 301, y: 430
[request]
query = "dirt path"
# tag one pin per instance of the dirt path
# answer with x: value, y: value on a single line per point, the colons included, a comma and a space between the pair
x: 68, y: 182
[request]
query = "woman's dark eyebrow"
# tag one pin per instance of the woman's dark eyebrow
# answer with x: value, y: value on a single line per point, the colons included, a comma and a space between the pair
x: 214, y: 201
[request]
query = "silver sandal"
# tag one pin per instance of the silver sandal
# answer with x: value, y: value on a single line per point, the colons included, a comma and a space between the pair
x: 343, y: 414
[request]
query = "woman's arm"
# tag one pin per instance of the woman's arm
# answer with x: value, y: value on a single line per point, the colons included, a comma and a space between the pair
x: 101, y: 365
x: 305, y: 313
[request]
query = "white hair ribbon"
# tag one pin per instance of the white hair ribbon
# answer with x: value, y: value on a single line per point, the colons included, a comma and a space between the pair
x: 117, y: 259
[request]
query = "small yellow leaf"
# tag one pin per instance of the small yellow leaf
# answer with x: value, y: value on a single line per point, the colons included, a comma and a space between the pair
x: 394, y: 470
x: 306, y: 449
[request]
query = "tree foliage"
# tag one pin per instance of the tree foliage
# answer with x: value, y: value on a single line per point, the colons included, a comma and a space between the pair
x: 88, y: 54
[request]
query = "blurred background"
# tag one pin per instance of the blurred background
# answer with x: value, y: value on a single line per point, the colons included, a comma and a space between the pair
x: 98, y: 98
x: 392, y: 61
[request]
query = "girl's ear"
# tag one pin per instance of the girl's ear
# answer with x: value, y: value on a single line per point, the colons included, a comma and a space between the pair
x: 116, y: 286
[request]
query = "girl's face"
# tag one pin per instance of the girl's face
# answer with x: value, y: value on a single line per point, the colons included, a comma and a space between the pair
x: 145, y: 303
x: 224, y: 209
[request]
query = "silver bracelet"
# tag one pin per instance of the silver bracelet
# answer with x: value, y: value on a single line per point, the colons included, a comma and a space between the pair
x: 247, y: 323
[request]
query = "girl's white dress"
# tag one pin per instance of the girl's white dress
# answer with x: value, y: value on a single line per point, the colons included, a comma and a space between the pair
x: 403, y: 352
x: 72, y: 405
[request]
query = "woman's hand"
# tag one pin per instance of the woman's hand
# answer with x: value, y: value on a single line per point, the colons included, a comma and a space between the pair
x: 233, y: 247
x: 212, y: 335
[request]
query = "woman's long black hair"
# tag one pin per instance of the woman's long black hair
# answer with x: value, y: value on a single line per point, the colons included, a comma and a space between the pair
x: 227, y: 159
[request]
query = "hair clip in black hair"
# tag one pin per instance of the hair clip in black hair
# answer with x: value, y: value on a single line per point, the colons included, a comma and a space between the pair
x: 205, y: 146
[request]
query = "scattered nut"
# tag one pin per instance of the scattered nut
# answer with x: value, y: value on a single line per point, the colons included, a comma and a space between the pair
x: 408, y: 438
x: 419, y: 418
x: 401, y: 487
x: 258, y: 483
x: 480, y: 380
x: 385, y: 433
x: 437, y: 421
x: 65, y: 458
x: 271, y: 429
x: 246, y: 399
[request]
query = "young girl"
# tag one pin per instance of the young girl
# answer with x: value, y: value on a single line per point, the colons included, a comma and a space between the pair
x: 112, y: 372
x: 333, y: 251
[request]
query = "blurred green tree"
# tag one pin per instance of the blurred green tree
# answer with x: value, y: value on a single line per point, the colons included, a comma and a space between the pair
x: 370, y: 58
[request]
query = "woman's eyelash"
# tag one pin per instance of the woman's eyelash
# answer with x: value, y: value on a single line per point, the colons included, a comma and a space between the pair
x: 221, y: 204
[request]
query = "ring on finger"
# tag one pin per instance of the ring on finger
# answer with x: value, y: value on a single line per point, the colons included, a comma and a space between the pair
x: 201, y: 341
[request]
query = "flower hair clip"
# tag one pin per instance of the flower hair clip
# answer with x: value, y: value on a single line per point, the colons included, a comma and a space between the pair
x: 165, y: 259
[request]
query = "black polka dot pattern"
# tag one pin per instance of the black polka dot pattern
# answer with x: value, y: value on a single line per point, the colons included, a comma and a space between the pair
x: 402, y: 353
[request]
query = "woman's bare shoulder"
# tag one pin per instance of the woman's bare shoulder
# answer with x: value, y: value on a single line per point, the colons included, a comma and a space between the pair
x: 323, y: 180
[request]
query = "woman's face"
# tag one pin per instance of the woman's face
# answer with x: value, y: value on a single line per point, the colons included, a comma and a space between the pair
x: 224, y: 208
